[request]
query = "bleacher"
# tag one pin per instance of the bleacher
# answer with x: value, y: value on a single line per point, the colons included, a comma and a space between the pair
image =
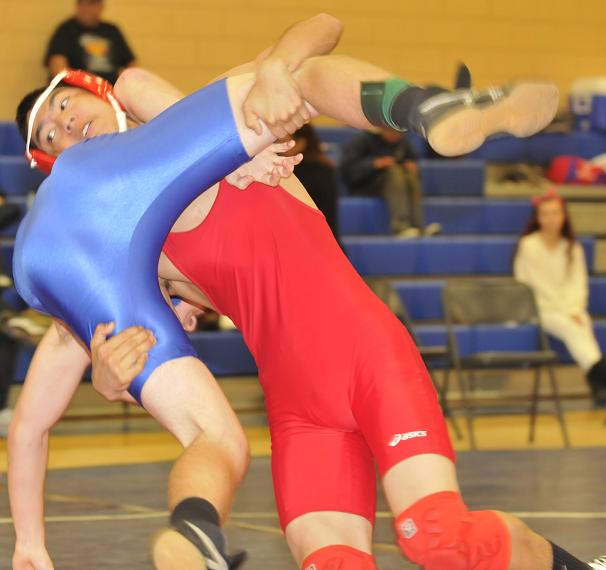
x: 479, y: 235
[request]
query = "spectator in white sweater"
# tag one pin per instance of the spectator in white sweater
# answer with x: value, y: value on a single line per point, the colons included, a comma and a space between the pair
x: 552, y: 262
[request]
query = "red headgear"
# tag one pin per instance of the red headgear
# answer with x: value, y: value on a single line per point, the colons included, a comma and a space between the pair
x: 551, y: 194
x: 77, y: 78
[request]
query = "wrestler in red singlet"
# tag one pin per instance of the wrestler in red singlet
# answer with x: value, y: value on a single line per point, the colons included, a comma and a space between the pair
x: 344, y: 382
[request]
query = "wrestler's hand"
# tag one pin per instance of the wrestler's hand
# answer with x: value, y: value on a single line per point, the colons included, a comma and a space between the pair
x: 31, y: 559
x: 268, y: 167
x: 276, y: 100
x: 117, y: 361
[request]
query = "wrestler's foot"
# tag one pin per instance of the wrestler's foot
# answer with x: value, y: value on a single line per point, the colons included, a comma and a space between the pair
x: 458, y: 122
x: 171, y: 550
x: 598, y: 563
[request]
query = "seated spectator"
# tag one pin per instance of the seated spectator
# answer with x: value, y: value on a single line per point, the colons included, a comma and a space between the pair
x: 9, y: 212
x: 383, y: 164
x: 317, y: 173
x: 87, y: 42
x: 552, y: 262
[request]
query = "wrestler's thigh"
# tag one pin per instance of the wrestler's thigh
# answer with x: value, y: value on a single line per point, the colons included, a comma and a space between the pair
x: 183, y: 396
x: 397, y: 409
x: 325, y: 487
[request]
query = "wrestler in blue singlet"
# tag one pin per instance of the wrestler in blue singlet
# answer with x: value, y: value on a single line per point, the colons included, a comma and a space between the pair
x: 87, y: 252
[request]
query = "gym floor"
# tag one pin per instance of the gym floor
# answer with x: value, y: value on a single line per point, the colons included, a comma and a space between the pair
x: 106, y: 488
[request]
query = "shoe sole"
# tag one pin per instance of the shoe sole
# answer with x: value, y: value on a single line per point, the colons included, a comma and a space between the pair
x: 172, y: 551
x: 528, y: 108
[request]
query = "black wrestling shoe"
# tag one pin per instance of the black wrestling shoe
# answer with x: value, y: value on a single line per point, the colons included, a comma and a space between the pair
x: 458, y: 122
x: 598, y: 563
x: 190, y: 548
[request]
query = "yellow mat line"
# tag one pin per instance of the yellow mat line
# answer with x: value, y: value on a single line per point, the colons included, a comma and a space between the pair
x: 587, y: 430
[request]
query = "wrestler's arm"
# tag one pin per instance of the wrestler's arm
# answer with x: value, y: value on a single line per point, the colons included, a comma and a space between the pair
x: 318, y: 35
x: 144, y: 96
x: 275, y: 98
x: 52, y: 379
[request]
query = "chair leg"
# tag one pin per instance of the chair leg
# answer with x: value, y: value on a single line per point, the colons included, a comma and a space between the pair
x: 443, y: 394
x: 558, y: 406
x: 466, y: 407
x: 534, y: 404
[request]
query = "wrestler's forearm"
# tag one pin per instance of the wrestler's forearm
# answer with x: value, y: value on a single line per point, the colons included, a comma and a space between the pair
x: 54, y: 374
x: 316, y: 36
x: 28, y: 451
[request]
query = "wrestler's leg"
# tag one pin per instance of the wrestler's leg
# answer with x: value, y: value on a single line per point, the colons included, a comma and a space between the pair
x: 454, y: 122
x: 325, y: 487
x: 315, y: 536
x: 401, y: 420
x: 422, y: 477
x: 185, y: 398
x: 361, y: 95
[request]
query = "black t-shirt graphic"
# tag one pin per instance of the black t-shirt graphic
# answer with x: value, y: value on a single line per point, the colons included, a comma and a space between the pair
x: 101, y: 50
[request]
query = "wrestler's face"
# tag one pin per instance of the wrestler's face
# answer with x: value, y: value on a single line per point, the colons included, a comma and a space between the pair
x: 70, y: 115
x: 551, y: 216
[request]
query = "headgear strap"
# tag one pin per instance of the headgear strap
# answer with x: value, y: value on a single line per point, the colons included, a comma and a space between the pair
x: 77, y: 78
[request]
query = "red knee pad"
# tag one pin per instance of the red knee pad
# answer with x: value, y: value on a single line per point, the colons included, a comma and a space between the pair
x: 339, y: 557
x: 439, y: 532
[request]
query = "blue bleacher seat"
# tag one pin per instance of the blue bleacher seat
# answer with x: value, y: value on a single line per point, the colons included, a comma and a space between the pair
x: 11, y: 142
x: 359, y: 215
x: 16, y: 176
x: 461, y: 177
x: 423, y: 299
x: 335, y: 135
x: 542, y: 148
x: 493, y: 337
x: 444, y: 255
x: 477, y: 215
x: 226, y: 354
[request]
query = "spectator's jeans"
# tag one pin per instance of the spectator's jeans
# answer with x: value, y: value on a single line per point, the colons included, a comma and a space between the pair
x: 400, y: 189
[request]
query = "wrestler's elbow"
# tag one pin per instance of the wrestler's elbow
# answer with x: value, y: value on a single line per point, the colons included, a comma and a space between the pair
x: 129, y: 82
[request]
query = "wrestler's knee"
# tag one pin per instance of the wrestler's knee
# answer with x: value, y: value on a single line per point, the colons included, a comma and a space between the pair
x: 439, y: 532
x: 339, y: 556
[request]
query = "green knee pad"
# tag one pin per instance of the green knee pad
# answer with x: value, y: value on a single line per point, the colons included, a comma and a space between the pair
x: 377, y: 99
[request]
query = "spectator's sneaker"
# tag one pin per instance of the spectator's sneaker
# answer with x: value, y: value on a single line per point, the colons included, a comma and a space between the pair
x: 6, y: 415
x: 189, y: 548
x: 458, y: 122
x: 408, y: 233
x: 598, y: 563
x: 432, y: 229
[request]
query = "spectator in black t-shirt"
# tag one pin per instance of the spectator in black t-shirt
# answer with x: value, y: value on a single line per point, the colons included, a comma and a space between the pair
x: 383, y: 164
x: 317, y: 173
x: 86, y: 42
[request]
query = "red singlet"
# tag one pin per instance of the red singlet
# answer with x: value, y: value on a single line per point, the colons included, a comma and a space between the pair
x: 344, y: 382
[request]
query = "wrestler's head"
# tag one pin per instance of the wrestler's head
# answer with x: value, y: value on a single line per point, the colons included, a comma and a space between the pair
x: 68, y: 116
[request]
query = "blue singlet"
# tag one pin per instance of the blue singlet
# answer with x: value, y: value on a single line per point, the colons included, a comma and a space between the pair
x: 87, y: 252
